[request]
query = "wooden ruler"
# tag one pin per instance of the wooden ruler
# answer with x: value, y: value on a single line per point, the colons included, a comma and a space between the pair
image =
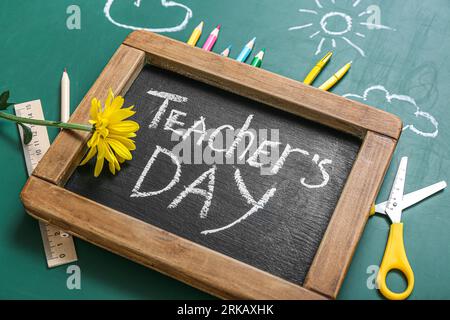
x: 58, y: 244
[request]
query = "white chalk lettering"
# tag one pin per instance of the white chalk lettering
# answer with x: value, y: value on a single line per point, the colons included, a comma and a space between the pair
x: 192, y: 189
x: 287, y: 151
x: 241, y: 134
x: 173, y: 120
x: 253, y: 160
x: 250, y: 200
x: 162, y: 109
x: 325, y: 175
x: 213, y: 136
x: 194, y: 129
x: 136, y: 190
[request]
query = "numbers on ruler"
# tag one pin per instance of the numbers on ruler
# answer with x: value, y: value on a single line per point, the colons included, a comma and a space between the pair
x: 56, y: 241
x: 58, y: 245
x: 34, y: 148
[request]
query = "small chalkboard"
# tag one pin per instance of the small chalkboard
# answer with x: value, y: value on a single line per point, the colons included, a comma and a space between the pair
x: 244, y: 184
x: 273, y: 221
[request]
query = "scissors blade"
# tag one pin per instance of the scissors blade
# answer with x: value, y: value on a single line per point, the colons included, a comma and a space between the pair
x: 412, y: 198
x: 394, y: 205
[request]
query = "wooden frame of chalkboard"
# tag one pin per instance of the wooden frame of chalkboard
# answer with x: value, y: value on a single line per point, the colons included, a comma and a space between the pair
x: 45, y: 197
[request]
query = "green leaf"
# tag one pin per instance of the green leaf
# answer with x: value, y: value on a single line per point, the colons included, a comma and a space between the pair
x: 4, y: 100
x: 27, y: 134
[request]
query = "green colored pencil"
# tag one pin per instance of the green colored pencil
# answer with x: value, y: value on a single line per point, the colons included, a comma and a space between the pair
x: 257, y: 60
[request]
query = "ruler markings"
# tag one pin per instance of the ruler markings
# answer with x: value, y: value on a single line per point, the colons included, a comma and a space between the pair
x: 58, y: 245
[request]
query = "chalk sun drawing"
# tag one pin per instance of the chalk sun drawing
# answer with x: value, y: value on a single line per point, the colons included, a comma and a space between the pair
x: 164, y: 3
x: 394, y: 103
x: 354, y: 26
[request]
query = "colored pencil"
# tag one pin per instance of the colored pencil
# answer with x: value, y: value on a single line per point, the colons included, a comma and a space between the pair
x: 193, y: 39
x: 242, y: 57
x: 317, y: 69
x: 330, y: 83
x: 209, y: 43
x: 257, y: 60
x: 226, y: 52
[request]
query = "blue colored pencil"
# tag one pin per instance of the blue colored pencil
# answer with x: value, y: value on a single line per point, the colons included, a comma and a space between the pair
x: 242, y: 57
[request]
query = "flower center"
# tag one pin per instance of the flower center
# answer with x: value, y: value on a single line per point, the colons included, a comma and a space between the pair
x: 103, y: 127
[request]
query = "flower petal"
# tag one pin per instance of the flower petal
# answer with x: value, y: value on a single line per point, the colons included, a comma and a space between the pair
x: 95, y: 108
x: 114, y: 164
x: 90, y: 154
x: 98, y: 166
x: 93, y: 141
x: 117, y: 103
x: 109, y: 99
x: 109, y: 154
x: 128, y: 135
x: 120, y: 115
x: 100, y: 159
x: 127, y: 126
x: 120, y: 149
x: 117, y: 165
x: 128, y: 143
x: 120, y: 159
x: 112, y: 168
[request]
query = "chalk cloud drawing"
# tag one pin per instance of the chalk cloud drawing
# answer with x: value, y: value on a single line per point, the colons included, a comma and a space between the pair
x: 417, y: 121
x: 354, y: 26
x: 164, y: 3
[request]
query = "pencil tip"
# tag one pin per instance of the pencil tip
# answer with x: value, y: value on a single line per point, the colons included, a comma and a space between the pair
x: 350, y: 63
x: 65, y: 70
x: 218, y: 26
x: 263, y: 50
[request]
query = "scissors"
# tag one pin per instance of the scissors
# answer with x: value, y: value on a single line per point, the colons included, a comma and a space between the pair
x: 395, y: 255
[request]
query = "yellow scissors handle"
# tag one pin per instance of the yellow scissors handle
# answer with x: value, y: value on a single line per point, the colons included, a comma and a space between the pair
x: 395, y: 259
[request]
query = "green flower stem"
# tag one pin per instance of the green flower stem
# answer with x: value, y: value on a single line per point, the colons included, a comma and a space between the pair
x: 47, y: 123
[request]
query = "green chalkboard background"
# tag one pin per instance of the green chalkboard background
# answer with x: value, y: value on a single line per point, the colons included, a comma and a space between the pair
x: 406, y: 65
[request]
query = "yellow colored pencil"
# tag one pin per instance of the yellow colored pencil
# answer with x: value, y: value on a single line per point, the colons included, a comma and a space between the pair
x: 330, y: 83
x: 195, y: 35
x: 312, y: 75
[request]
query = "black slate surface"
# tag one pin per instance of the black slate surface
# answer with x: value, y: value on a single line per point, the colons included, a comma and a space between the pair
x: 280, y: 238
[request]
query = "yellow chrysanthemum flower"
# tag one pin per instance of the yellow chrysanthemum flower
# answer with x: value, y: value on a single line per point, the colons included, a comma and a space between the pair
x: 111, y: 136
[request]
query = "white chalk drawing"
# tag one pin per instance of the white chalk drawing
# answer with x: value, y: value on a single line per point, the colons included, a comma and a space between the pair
x: 194, y: 129
x: 325, y: 175
x: 173, y: 120
x: 263, y: 149
x: 256, y: 205
x: 354, y: 25
x: 287, y: 151
x: 241, y: 134
x: 192, y: 189
x: 176, y: 178
x: 164, y: 3
x: 392, y: 102
x: 162, y: 109
x: 215, y: 133
x: 262, y: 153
